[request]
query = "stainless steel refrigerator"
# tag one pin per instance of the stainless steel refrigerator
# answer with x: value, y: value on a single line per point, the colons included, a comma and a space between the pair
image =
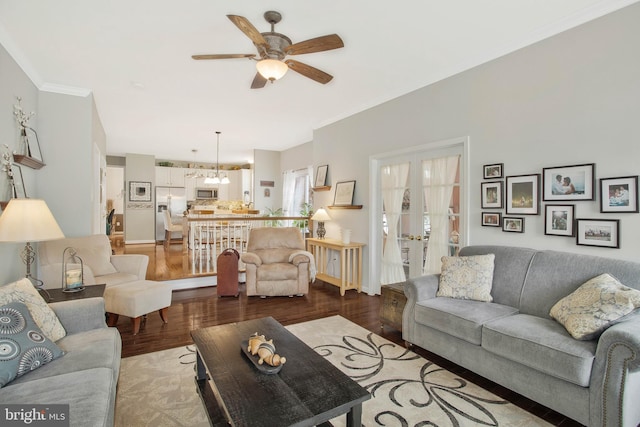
x: 173, y: 199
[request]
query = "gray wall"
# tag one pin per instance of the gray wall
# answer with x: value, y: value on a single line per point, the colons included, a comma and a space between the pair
x: 267, y: 168
x: 570, y: 99
x: 139, y: 223
x: 14, y: 82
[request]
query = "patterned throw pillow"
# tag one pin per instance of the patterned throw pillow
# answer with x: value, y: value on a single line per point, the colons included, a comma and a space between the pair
x: 23, y: 291
x: 596, y: 305
x: 467, y: 277
x: 23, y: 347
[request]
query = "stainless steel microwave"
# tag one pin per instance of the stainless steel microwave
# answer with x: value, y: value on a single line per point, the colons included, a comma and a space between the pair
x: 206, y: 193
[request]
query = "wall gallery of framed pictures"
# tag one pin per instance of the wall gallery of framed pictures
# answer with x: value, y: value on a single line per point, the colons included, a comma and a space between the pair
x: 558, y: 188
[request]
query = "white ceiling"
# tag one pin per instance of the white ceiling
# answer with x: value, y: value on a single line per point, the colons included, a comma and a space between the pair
x: 135, y: 56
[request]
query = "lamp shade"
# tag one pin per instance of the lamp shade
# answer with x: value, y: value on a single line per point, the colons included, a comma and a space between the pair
x: 272, y: 69
x: 321, y: 215
x: 28, y: 220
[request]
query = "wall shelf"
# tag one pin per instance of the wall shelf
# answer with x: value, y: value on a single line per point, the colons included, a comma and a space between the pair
x: 28, y: 161
x: 323, y: 188
x: 345, y: 207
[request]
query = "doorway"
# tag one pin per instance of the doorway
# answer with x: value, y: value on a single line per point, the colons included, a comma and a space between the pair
x: 418, y: 203
x: 115, y: 203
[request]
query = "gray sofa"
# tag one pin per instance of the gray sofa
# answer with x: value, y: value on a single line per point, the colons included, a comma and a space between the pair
x: 85, y: 377
x: 514, y: 342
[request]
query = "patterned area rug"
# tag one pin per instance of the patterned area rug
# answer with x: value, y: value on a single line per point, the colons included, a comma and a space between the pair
x: 158, y: 389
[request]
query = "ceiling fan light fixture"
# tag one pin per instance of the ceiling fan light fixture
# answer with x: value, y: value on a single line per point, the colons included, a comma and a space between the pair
x: 272, y: 69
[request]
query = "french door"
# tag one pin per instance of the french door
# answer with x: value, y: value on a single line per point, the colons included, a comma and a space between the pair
x: 420, y: 212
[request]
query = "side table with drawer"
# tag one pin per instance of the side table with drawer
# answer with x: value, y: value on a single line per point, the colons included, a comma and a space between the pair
x: 393, y: 302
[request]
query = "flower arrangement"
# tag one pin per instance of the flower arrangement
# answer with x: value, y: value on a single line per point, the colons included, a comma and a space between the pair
x: 23, y: 120
x: 21, y: 116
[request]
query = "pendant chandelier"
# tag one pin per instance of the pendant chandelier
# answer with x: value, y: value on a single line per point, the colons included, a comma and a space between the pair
x: 195, y: 173
x: 218, y: 177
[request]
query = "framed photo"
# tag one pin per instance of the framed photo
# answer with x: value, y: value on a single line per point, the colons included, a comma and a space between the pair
x: 492, y: 171
x: 559, y: 220
x: 513, y: 224
x: 139, y: 191
x: 344, y: 193
x: 492, y: 195
x: 491, y: 219
x: 619, y: 194
x: 321, y: 176
x: 523, y: 194
x: 604, y: 233
x: 569, y: 182
x: 17, y: 183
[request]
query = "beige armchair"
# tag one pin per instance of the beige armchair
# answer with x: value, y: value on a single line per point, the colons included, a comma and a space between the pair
x: 277, y: 263
x: 100, y: 266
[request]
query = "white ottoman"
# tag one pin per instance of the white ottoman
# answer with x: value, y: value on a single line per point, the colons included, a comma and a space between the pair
x: 135, y: 300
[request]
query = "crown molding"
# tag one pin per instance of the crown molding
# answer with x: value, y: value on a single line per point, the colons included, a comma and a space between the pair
x: 65, y: 90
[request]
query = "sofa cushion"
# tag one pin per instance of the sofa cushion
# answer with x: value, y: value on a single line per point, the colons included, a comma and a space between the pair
x: 541, y: 344
x: 595, y: 306
x: 99, y: 258
x: 24, y: 292
x: 467, y: 277
x: 277, y: 271
x: 89, y: 394
x: 23, y: 346
x: 96, y: 348
x: 460, y: 318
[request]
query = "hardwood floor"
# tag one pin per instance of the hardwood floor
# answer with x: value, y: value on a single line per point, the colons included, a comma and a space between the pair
x: 198, y: 308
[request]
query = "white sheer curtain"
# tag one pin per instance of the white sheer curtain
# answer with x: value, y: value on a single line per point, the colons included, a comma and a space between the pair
x: 394, y: 182
x: 439, y: 178
x: 288, y: 191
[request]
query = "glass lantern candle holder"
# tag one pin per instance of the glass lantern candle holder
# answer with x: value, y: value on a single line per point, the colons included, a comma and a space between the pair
x: 72, y: 271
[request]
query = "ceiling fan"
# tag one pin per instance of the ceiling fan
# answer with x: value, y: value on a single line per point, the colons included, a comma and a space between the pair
x: 274, y: 47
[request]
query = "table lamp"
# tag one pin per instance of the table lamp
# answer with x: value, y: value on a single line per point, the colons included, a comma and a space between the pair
x: 26, y: 221
x: 321, y: 216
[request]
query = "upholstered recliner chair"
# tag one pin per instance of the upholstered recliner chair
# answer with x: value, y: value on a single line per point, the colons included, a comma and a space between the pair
x: 277, y: 263
x: 99, y: 265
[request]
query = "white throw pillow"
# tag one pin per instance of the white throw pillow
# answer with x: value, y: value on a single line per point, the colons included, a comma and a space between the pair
x: 24, y: 292
x: 596, y: 305
x: 467, y: 277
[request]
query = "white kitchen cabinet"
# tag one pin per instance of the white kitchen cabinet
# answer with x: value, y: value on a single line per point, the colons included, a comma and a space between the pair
x: 169, y: 177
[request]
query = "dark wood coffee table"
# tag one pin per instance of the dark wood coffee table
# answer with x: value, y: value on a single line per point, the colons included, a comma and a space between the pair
x: 308, y: 391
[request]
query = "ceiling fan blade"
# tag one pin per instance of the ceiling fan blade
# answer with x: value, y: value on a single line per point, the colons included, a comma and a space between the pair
x: 248, y: 29
x: 319, y: 44
x: 258, y: 82
x: 224, y: 56
x: 309, y: 71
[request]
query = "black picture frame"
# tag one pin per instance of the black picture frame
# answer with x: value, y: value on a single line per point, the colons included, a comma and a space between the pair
x: 523, y: 194
x: 513, y: 224
x: 619, y: 195
x: 139, y: 191
x: 18, y: 189
x: 559, y: 220
x: 493, y: 171
x: 321, y: 176
x: 491, y: 219
x: 603, y: 233
x: 580, y: 186
x: 344, y: 193
x: 492, y: 194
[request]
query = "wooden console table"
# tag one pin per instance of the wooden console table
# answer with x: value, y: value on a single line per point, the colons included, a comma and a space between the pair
x: 350, y: 262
